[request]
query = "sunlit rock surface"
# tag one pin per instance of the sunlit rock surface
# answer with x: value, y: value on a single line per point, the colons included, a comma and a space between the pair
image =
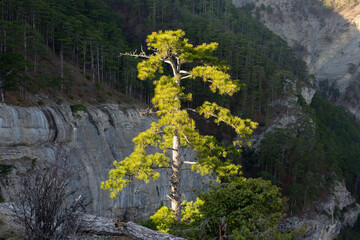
x: 92, y: 141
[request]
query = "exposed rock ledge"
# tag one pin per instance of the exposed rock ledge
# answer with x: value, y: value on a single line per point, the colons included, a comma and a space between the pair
x: 94, y: 139
x: 326, y: 222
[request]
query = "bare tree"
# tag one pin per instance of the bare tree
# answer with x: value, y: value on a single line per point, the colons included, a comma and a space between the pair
x: 44, y: 203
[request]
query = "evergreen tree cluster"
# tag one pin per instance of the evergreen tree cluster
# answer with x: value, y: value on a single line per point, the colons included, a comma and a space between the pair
x: 306, y: 159
x: 83, y: 32
x: 258, y: 58
x: 92, y: 33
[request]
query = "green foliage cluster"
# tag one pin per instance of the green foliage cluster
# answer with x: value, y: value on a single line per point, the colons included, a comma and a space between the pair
x: 90, y: 34
x: 251, y: 209
x: 84, y: 32
x: 12, y: 66
x: 78, y: 107
x: 294, y: 159
x: 339, y: 134
x: 4, y: 170
x: 304, y: 159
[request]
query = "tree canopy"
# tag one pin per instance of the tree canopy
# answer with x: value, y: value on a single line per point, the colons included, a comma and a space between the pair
x: 250, y: 209
x: 175, y: 129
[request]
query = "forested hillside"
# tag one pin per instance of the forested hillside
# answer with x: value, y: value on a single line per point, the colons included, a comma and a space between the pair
x: 43, y: 43
x: 306, y: 159
x: 88, y: 35
x: 42, y: 40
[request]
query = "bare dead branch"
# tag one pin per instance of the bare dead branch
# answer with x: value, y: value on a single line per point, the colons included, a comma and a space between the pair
x: 8, y: 73
x: 146, y: 112
x: 43, y: 203
x: 142, y: 54
x: 190, y: 163
x: 185, y: 77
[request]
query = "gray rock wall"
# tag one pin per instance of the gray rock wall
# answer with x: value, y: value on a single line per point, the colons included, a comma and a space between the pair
x: 329, y: 217
x: 329, y: 42
x: 93, y: 141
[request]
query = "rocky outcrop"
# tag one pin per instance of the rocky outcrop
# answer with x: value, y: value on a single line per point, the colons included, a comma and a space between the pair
x: 326, y: 39
x: 89, y: 227
x: 92, y: 141
x: 337, y: 212
x: 307, y: 93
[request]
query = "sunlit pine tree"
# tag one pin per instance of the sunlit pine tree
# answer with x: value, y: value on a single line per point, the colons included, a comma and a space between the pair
x: 175, y: 129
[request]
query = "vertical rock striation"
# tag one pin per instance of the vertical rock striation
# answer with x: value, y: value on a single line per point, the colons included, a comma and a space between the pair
x: 93, y: 140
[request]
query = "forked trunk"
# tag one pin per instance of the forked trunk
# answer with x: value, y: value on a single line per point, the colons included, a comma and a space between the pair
x: 175, y: 179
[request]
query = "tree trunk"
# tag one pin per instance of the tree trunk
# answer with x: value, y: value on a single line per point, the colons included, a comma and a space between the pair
x: 222, y: 230
x: 2, y: 95
x: 176, y: 178
x: 25, y: 48
x: 92, y: 62
x: 61, y: 62
x: 98, y: 62
x: 2, y: 84
x: 84, y: 66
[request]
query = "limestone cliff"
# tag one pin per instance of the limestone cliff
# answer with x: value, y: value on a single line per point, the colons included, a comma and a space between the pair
x: 93, y: 139
x: 329, y: 217
x: 328, y: 40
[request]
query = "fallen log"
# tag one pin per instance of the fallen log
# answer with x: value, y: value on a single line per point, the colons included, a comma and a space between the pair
x: 96, y: 225
x: 108, y: 227
x: 138, y: 232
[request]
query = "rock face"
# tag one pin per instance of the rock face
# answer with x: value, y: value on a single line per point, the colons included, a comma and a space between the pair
x: 327, y: 40
x: 93, y: 140
x: 330, y: 216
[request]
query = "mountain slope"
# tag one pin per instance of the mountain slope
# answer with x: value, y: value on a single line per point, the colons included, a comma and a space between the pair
x: 326, y: 35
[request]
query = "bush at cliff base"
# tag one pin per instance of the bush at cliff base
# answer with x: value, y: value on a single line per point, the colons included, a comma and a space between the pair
x: 250, y: 209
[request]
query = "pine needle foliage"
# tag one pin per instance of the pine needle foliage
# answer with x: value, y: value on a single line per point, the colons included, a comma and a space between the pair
x: 175, y: 129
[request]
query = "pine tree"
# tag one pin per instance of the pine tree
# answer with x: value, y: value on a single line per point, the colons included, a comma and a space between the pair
x: 175, y: 129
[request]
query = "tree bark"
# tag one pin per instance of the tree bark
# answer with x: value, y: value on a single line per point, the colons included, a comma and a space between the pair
x: 92, y: 62
x: 98, y: 62
x: 84, y: 66
x: 25, y: 48
x: 61, y: 62
x: 176, y: 178
x: 2, y: 84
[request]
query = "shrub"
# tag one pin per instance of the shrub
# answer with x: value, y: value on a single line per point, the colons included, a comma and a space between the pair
x: 78, y: 107
x: 163, y: 219
x: 249, y: 209
x: 102, y: 99
x: 44, y: 204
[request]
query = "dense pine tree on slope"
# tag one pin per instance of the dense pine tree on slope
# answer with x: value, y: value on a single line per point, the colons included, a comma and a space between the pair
x: 88, y: 34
